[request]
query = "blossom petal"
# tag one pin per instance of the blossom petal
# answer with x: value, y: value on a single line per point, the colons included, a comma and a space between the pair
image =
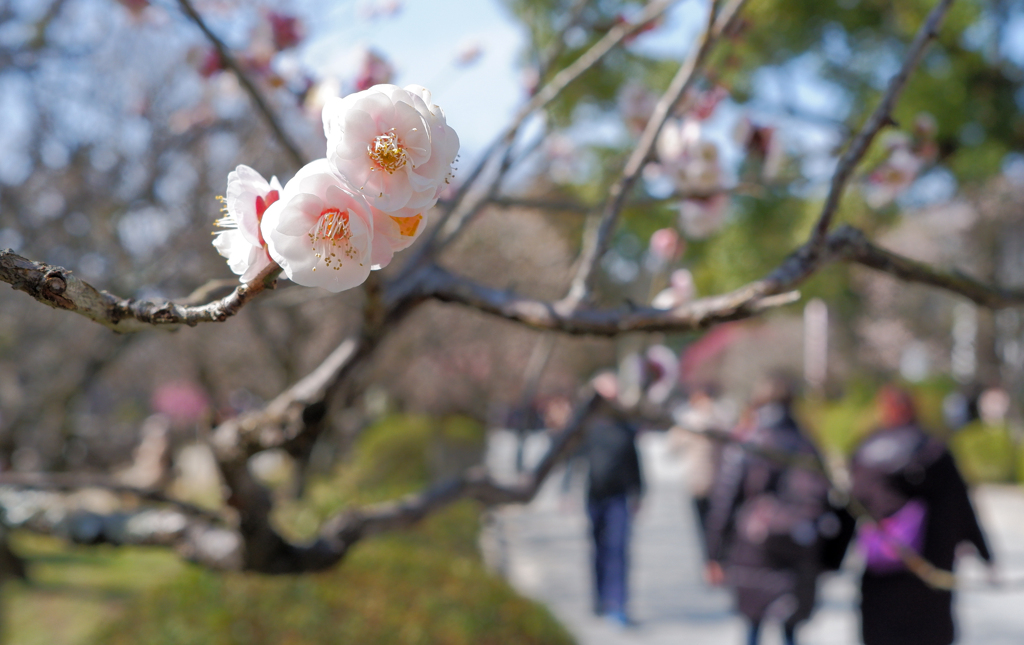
x: 300, y: 214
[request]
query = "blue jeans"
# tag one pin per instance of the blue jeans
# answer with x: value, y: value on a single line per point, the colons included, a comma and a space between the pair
x: 788, y: 634
x: 609, y: 522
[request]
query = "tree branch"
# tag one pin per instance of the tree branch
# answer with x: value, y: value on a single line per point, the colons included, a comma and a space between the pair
x: 67, y: 482
x: 881, y: 117
x: 291, y: 413
x: 342, y: 531
x: 439, y: 283
x: 775, y: 290
x: 59, y: 288
x: 853, y: 246
x: 596, y: 241
x: 254, y: 93
x: 52, y: 513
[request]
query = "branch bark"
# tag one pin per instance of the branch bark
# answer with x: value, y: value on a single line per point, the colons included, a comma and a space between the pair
x: 61, y: 289
x: 52, y: 513
x: 596, y: 241
x: 341, y: 532
x: 68, y: 482
x: 881, y: 117
x: 776, y: 289
x: 548, y: 93
x: 254, y: 93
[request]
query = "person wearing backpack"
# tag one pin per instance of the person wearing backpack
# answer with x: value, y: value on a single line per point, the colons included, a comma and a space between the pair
x: 770, y: 516
x: 917, y: 502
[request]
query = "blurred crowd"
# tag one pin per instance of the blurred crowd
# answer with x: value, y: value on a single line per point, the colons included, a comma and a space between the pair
x: 774, y: 514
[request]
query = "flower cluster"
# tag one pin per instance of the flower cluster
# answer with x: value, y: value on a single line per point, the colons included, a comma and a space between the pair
x: 389, y: 156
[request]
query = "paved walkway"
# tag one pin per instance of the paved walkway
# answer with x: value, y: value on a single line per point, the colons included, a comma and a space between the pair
x: 542, y: 548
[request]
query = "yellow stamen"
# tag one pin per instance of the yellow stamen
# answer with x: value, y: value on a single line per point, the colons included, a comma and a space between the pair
x: 387, y: 152
x: 330, y: 236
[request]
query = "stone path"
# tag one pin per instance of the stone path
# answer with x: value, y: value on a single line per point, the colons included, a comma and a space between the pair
x: 542, y: 549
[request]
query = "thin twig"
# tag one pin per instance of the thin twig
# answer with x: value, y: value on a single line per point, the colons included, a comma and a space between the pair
x: 550, y: 56
x: 254, y: 93
x: 596, y: 243
x: 548, y: 93
x: 881, y: 117
x: 469, y: 209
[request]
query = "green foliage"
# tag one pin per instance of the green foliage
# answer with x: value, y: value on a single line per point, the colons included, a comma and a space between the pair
x: 84, y: 586
x: 966, y: 89
x: 425, y: 586
x: 759, y: 235
x: 840, y: 424
x: 984, y: 453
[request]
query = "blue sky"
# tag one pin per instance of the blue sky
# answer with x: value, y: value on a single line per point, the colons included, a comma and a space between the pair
x: 422, y: 41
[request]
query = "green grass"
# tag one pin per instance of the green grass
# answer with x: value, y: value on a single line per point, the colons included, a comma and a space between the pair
x: 408, y: 588
x: 72, y: 591
x: 425, y: 585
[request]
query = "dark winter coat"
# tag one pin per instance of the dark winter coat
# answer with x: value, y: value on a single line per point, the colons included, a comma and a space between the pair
x: 769, y: 508
x: 611, y: 454
x: 888, y: 469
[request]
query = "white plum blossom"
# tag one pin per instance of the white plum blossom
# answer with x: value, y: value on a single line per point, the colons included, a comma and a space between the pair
x: 389, y: 157
x: 391, y: 144
x: 248, y: 197
x: 392, y: 234
x: 444, y: 145
x: 321, y: 230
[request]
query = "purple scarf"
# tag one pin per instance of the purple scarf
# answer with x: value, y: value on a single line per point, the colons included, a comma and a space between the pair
x: 877, y: 542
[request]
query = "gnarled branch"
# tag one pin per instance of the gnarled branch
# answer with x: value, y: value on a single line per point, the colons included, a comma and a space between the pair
x: 61, y: 289
x: 342, y: 531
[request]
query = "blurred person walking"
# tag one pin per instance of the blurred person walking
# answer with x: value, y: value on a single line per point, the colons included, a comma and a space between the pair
x: 691, y: 438
x: 909, y: 484
x: 614, y: 489
x: 769, y: 516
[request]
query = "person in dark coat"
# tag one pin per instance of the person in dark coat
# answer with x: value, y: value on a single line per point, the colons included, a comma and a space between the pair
x: 769, y: 510
x: 614, y: 488
x: 908, y: 482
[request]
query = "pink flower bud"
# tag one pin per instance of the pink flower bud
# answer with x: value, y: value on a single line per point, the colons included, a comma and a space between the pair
x: 665, y: 244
